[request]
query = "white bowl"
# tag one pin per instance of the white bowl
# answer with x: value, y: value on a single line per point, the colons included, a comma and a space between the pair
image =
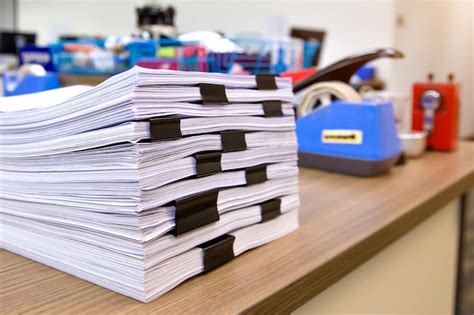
x: 413, y: 143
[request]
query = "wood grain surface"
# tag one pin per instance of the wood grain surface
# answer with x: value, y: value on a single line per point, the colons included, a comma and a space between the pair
x: 344, y: 221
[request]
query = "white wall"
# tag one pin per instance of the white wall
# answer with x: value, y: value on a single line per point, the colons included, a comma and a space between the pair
x: 352, y: 25
x: 7, y: 20
x: 438, y: 37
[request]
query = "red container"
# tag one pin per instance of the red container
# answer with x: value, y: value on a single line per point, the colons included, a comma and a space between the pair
x: 299, y: 75
x: 440, y: 120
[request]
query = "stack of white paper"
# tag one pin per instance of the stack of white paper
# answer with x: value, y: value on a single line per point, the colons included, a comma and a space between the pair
x: 149, y: 178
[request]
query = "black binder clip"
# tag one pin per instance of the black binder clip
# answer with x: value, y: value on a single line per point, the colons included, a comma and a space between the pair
x: 271, y: 209
x: 272, y: 109
x: 213, y: 93
x: 266, y: 81
x: 165, y: 128
x: 208, y: 163
x: 195, y: 211
x: 233, y: 141
x: 256, y: 174
x: 218, y: 251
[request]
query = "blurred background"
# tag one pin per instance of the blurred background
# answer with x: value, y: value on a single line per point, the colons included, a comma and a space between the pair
x: 435, y: 36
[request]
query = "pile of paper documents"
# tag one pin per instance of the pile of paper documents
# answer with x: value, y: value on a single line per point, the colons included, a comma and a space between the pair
x: 149, y: 178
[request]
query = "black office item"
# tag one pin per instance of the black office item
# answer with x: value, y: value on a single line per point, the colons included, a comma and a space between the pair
x: 208, y: 163
x: 195, y: 211
x: 233, y: 140
x: 343, y: 70
x: 266, y: 81
x: 256, y: 174
x: 218, y: 251
x: 271, y: 209
x: 12, y: 42
x: 272, y: 108
x: 213, y: 93
x: 165, y: 128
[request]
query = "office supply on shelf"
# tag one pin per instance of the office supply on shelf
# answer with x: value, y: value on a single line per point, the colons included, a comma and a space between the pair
x: 31, y: 54
x: 314, y: 43
x: 149, y: 178
x: 155, y: 21
x: 29, y: 78
x: 12, y: 42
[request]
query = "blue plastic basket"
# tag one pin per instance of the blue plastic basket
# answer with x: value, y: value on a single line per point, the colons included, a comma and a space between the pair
x: 258, y: 56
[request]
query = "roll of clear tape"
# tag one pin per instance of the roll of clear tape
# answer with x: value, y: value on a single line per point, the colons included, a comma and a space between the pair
x: 322, y: 91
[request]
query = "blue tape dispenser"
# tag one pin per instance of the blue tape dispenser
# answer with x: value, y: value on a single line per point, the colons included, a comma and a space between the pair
x: 338, y: 131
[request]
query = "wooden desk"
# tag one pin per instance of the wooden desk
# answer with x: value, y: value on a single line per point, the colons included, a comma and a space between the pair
x: 344, y: 221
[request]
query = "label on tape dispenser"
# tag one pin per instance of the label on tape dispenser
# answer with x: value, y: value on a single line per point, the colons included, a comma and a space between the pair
x: 342, y: 136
